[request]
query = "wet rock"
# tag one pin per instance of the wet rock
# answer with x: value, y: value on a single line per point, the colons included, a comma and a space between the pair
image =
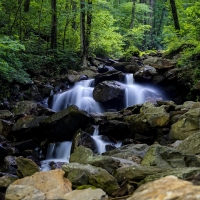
x: 115, y: 129
x: 187, y: 125
x: 109, y: 76
x: 81, y: 155
x: 86, y: 194
x: 169, y: 187
x: 103, y: 68
x: 42, y: 185
x: 62, y: 125
x: 145, y: 73
x: 26, y: 167
x: 120, y: 66
x: 82, y: 138
x: 108, y: 90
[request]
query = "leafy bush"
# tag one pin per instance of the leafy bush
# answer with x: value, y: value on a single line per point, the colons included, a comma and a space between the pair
x: 11, y: 68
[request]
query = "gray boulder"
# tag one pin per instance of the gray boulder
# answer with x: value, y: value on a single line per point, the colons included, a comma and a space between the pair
x: 187, y: 125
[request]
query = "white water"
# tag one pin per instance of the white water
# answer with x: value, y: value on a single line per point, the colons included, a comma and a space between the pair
x: 137, y: 94
x: 57, y: 152
x: 79, y: 95
x: 100, y: 143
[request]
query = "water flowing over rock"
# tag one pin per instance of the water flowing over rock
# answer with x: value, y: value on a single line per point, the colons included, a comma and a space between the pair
x: 41, y: 185
x: 169, y: 187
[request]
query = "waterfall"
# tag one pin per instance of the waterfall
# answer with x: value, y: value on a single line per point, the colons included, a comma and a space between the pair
x: 79, y: 95
x: 137, y: 94
x: 100, y: 143
x: 57, y: 152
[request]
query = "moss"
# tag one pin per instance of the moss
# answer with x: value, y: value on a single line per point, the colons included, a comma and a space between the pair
x: 82, y: 187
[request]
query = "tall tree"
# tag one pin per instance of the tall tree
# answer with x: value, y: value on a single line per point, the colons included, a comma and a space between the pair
x: 53, y: 24
x: 132, y: 14
x: 175, y: 15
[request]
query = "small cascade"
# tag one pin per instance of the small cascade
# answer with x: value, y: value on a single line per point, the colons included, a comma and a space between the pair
x: 137, y: 94
x: 57, y: 152
x: 100, y: 143
x: 79, y: 95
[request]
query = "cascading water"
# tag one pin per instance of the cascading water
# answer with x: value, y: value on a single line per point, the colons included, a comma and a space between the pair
x: 100, y: 143
x: 137, y: 94
x: 57, y: 152
x: 79, y: 95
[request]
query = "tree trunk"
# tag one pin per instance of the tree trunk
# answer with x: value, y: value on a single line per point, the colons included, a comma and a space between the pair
x: 27, y: 5
x: 53, y: 25
x: 83, y: 34
x: 175, y: 15
x: 132, y: 14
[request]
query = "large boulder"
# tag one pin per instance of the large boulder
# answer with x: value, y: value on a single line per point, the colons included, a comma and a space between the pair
x: 80, y: 174
x: 145, y: 73
x: 108, y: 90
x: 86, y: 194
x: 187, y: 125
x: 120, y: 66
x: 182, y: 173
x: 131, y: 151
x: 144, y: 125
x: 26, y: 167
x: 159, y: 63
x: 25, y: 108
x: 84, y: 155
x: 27, y: 127
x: 191, y: 145
x: 169, y: 187
x: 6, y: 180
x: 62, y: 125
x: 134, y: 173
x: 115, y: 129
x: 113, y: 75
x: 41, y: 185
x: 163, y: 156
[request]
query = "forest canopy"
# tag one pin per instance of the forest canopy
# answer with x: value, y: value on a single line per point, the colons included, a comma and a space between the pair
x: 61, y: 34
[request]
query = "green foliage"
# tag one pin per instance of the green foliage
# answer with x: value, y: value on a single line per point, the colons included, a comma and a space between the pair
x: 10, y: 66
